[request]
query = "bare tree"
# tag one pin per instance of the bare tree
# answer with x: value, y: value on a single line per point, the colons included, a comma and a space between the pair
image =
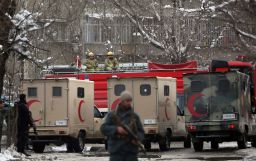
x: 7, y: 7
x: 163, y: 24
x: 238, y: 16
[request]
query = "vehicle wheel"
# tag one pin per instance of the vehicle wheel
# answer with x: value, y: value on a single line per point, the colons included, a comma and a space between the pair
x: 242, y: 143
x: 79, y: 143
x: 70, y: 147
x: 38, y: 147
x: 147, y: 145
x: 106, y: 144
x: 198, y: 146
x: 214, y: 145
x: 187, y: 142
x: 165, y: 143
x: 254, y: 143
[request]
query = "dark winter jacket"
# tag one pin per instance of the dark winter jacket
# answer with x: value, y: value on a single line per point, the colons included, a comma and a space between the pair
x: 122, y: 145
x: 23, y: 117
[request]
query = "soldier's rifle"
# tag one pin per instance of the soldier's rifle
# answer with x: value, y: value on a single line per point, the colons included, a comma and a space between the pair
x: 132, y: 136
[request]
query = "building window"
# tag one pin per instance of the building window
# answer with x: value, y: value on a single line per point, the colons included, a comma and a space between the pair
x: 166, y: 90
x: 80, y: 92
x: 56, y: 91
x: 119, y: 88
x: 145, y: 90
x: 117, y: 30
x: 32, y: 92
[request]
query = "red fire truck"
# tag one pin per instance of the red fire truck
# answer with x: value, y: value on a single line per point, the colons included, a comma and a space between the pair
x: 154, y: 69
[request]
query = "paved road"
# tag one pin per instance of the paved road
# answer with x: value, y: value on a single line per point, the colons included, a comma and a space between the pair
x: 226, y: 152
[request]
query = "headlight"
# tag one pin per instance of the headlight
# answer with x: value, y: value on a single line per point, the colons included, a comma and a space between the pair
x: 61, y: 123
x: 149, y: 121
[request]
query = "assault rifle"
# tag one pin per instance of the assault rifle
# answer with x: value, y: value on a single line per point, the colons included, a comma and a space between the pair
x: 132, y: 136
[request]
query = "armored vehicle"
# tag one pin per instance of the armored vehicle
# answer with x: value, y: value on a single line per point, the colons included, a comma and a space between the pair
x: 64, y: 112
x: 218, y: 108
x: 154, y: 100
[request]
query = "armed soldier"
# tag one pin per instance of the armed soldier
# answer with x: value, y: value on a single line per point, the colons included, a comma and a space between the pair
x: 111, y: 63
x: 91, y: 63
x: 121, y: 146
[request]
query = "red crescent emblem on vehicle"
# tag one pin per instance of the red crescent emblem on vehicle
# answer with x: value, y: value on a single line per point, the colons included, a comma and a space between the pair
x: 191, y: 101
x: 166, y: 114
x: 115, y: 103
x: 29, y: 104
x: 79, y: 110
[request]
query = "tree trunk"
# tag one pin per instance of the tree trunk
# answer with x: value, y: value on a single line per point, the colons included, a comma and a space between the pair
x: 3, y: 59
x: 6, y: 7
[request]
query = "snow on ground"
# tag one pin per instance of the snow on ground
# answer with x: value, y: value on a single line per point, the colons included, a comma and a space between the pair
x: 11, y: 154
x: 95, y: 152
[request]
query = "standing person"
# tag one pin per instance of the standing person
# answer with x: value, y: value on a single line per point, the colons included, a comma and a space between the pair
x: 1, y: 120
x: 111, y: 63
x: 91, y: 63
x: 33, y: 125
x: 22, y: 124
x: 120, y: 146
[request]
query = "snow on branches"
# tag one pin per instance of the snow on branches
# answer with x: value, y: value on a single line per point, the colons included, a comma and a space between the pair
x: 239, y: 16
x: 24, y: 22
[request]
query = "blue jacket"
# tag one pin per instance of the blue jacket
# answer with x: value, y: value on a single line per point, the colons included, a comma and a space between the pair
x: 121, y: 145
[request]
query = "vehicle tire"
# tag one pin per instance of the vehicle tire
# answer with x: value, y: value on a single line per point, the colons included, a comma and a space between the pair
x: 79, y: 143
x: 106, y: 144
x: 198, y: 146
x: 253, y: 142
x: 242, y: 143
x: 187, y: 142
x: 214, y: 145
x: 165, y: 143
x: 70, y: 147
x: 38, y: 147
x: 147, y: 145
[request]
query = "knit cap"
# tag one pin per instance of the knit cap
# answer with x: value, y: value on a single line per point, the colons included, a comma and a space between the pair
x: 125, y: 95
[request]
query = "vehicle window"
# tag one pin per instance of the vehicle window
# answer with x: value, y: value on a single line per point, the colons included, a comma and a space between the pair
x: 166, y: 90
x: 32, y: 92
x: 80, y: 92
x: 119, y: 88
x: 145, y: 89
x: 179, y: 112
x: 56, y: 91
x: 97, y: 113
x: 180, y: 104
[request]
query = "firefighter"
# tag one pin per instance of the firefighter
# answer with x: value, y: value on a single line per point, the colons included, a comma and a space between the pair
x: 22, y: 124
x: 120, y: 146
x: 91, y: 63
x: 111, y: 63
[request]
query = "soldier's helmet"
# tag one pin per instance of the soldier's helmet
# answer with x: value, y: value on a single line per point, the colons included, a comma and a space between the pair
x: 110, y: 53
x: 90, y: 54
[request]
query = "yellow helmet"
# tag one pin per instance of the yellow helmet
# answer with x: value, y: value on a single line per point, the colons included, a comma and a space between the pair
x: 90, y: 54
x: 110, y: 53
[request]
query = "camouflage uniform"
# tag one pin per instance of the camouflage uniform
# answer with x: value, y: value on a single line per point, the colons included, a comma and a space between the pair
x: 91, y: 65
x: 111, y: 64
x: 120, y: 147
